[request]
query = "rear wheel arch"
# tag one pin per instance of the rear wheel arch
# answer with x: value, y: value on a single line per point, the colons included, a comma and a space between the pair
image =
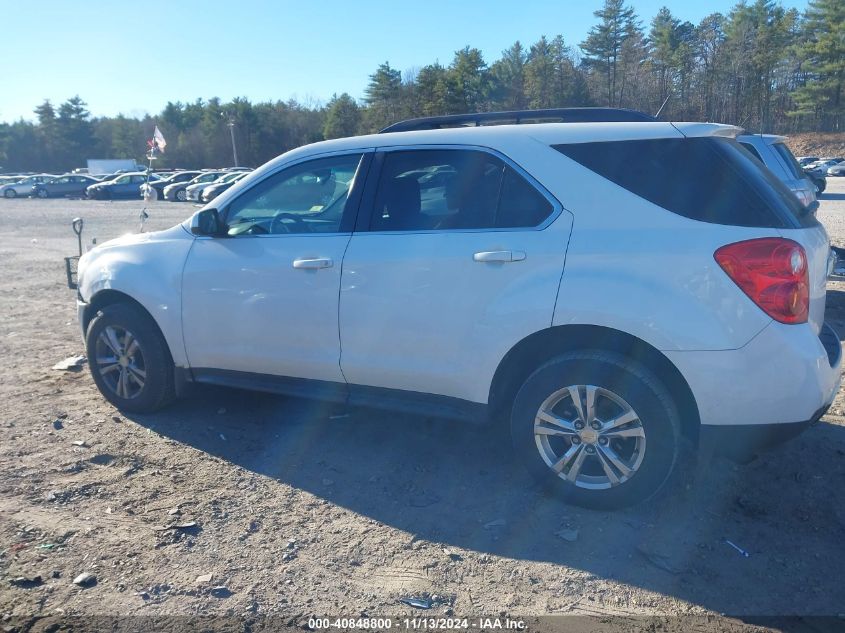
x: 538, y: 348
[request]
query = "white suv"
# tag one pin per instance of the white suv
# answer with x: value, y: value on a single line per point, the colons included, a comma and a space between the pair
x: 614, y: 291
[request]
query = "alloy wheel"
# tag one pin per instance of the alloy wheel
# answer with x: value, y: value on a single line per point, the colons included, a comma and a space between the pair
x: 120, y: 362
x: 590, y: 437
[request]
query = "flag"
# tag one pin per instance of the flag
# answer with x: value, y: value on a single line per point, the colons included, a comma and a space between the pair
x: 158, y: 137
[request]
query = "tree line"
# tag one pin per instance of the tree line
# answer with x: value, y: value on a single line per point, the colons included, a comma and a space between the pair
x: 760, y: 66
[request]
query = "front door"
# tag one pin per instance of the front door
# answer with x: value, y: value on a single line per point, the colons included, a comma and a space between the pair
x: 264, y: 298
x: 460, y: 259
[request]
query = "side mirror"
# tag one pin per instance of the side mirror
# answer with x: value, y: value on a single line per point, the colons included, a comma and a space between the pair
x: 207, y: 222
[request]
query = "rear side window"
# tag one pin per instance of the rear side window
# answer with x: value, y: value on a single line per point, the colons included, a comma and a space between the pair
x: 753, y: 151
x: 434, y: 189
x: 707, y: 179
x: 789, y: 160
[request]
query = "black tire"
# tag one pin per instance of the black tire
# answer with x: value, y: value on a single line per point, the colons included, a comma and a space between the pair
x: 156, y: 363
x: 10, y: 193
x: 632, y: 383
x: 821, y: 184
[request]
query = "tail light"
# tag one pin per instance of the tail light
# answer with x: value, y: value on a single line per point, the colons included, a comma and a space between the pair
x: 772, y: 271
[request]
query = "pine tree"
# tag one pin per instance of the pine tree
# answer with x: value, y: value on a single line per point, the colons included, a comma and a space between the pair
x: 432, y: 91
x: 540, y: 75
x: 467, y: 81
x: 507, y: 77
x: 384, y: 97
x: 603, y: 46
x: 343, y: 117
x: 821, y: 97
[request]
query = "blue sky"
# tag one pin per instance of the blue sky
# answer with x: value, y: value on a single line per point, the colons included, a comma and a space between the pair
x: 133, y: 57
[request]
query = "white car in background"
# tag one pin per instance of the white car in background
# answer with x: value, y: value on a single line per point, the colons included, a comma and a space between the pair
x: 824, y: 164
x: 771, y: 150
x: 24, y: 186
x: 617, y: 291
x: 838, y: 169
x: 194, y: 192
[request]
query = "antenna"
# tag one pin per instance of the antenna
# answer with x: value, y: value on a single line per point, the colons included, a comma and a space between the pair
x: 665, y: 101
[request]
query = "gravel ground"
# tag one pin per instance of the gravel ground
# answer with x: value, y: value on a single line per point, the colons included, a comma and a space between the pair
x: 300, y: 512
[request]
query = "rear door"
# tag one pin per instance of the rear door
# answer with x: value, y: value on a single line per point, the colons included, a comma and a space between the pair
x: 458, y: 255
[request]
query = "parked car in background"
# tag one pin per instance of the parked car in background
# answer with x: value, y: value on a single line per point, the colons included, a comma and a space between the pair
x: 614, y: 326
x: 817, y: 177
x: 63, y: 186
x: 194, y: 191
x: 771, y: 150
x: 156, y: 187
x: 836, y: 170
x: 124, y: 186
x: 806, y: 160
x: 825, y: 163
x: 216, y: 188
x: 176, y: 191
x: 24, y: 186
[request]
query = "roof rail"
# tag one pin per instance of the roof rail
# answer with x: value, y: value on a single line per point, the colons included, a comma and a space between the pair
x: 565, y: 115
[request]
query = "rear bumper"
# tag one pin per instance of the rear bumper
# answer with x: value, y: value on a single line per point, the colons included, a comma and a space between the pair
x: 742, y: 441
x: 787, y: 376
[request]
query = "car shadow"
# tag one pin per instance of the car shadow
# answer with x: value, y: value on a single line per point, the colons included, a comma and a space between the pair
x: 457, y: 485
x: 831, y: 196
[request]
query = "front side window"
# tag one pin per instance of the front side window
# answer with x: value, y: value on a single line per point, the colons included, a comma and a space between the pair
x: 424, y: 190
x: 307, y: 198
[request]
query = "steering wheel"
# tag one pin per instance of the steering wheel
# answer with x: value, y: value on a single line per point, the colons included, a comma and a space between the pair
x: 279, y: 226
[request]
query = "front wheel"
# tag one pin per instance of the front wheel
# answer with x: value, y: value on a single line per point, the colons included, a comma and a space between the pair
x: 41, y: 193
x: 599, y: 429
x: 10, y: 193
x: 129, y: 359
x: 181, y: 195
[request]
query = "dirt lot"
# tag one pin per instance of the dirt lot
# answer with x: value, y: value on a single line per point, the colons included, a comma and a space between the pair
x: 300, y: 511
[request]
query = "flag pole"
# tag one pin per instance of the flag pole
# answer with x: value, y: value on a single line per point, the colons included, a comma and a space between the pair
x: 152, y: 145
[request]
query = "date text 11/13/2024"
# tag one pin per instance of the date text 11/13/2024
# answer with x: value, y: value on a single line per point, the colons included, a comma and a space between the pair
x: 417, y: 624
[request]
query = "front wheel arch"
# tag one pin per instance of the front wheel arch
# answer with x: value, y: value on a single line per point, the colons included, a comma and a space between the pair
x: 110, y: 297
x: 538, y: 348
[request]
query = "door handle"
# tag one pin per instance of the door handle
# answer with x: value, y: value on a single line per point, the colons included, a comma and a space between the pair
x: 313, y: 264
x: 499, y: 256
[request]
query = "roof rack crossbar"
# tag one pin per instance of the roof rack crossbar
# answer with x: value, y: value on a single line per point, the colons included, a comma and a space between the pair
x: 565, y: 115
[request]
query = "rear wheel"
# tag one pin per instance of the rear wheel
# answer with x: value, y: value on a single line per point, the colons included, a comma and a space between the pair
x: 597, y: 428
x: 42, y: 193
x: 129, y: 359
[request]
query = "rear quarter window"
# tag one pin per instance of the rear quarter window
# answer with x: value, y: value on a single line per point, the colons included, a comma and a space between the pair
x: 791, y: 164
x: 708, y: 179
